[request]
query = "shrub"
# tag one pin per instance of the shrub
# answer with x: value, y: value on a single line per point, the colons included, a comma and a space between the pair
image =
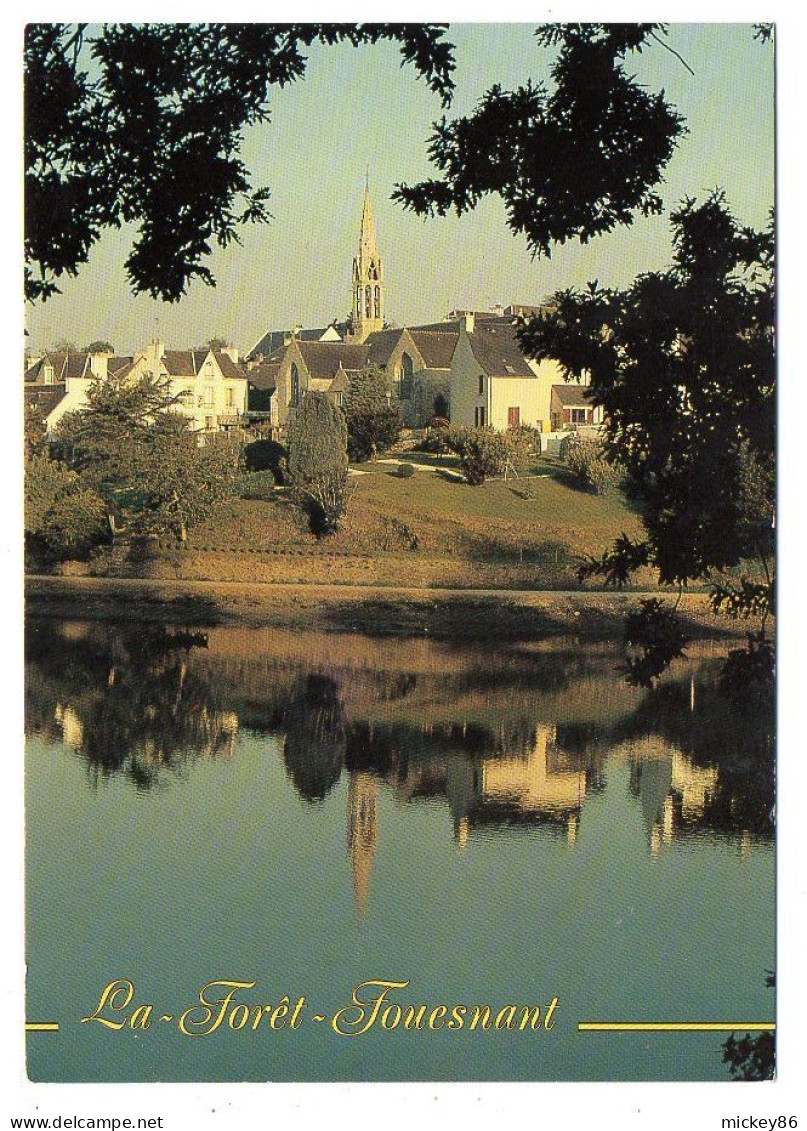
x: 482, y: 451
x: 588, y: 460
x: 523, y: 446
x: 63, y: 517
x: 371, y: 432
x: 267, y: 455
x: 405, y: 471
x: 318, y: 462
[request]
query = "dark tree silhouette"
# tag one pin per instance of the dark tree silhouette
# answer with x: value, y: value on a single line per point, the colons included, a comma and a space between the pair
x: 571, y: 163
x: 150, y: 135
x: 683, y: 364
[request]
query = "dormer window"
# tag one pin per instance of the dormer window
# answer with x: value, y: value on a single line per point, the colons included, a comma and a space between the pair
x: 48, y: 371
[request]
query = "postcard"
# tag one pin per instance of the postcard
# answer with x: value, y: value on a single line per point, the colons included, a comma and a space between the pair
x: 400, y: 627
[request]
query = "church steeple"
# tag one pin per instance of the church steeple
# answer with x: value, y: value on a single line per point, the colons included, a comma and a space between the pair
x: 368, y: 277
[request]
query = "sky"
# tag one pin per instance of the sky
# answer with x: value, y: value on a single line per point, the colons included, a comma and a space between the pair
x: 359, y: 108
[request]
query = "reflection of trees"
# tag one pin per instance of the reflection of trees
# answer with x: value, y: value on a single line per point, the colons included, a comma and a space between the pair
x: 126, y: 699
x: 314, y: 749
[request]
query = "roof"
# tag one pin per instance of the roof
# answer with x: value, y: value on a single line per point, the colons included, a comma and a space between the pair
x: 323, y: 359
x: 436, y: 346
x: 274, y: 340
x: 69, y: 365
x: 381, y: 344
x: 44, y: 397
x: 264, y: 376
x: 228, y: 367
x: 572, y: 396
x: 498, y: 352
x: 183, y: 363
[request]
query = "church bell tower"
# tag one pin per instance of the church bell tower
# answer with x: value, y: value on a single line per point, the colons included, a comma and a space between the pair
x: 367, y: 313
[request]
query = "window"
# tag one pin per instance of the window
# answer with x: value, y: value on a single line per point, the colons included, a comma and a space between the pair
x: 340, y: 399
x: 513, y: 417
x: 407, y: 377
x: 230, y: 398
x: 378, y: 302
x: 295, y: 385
x: 579, y: 415
x: 358, y: 302
x: 208, y: 396
x: 481, y: 385
x: 368, y: 301
x: 479, y: 417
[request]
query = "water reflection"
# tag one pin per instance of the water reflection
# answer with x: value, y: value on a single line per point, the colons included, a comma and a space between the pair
x: 518, y: 740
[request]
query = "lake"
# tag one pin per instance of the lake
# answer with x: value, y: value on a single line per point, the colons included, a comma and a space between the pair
x: 493, y: 824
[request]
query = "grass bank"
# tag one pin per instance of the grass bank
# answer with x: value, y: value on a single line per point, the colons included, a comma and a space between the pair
x: 469, y: 615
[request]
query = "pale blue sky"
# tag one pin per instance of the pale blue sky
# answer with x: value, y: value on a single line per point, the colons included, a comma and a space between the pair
x: 360, y: 106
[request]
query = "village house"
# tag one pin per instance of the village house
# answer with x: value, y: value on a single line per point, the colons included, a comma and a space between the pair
x: 58, y: 382
x: 492, y: 382
x: 211, y: 382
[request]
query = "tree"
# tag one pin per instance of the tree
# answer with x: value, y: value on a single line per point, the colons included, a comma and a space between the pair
x: 63, y: 517
x: 317, y: 443
x: 35, y: 429
x: 373, y: 425
x: 683, y: 365
x: 483, y: 452
x: 99, y: 347
x: 135, y: 446
x: 570, y: 164
x: 151, y: 136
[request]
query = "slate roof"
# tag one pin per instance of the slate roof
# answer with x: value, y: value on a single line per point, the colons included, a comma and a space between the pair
x: 323, y: 359
x: 264, y: 376
x: 497, y: 351
x: 436, y: 347
x: 274, y: 340
x: 44, y: 397
x: 228, y: 367
x: 572, y: 396
x: 75, y: 364
x: 381, y: 344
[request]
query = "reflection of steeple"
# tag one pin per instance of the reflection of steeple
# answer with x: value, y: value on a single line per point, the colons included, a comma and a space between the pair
x: 362, y: 832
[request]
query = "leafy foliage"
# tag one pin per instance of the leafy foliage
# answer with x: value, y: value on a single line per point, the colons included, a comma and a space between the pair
x: 483, y: 452
x: 135, y: 446
x: 588, y: 459
x: 317, y: 442
x: 372, y: 424
x: 655, y: 631
x: 571, y: 163
x: 267, y: 455
x: 63, y: 517
x: 34, y: 430
x: 154, y: 140
x: 683, y: 364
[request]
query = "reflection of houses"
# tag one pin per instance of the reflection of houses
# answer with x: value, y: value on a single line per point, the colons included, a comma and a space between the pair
x: 541, y: 786
x: 674, y: 792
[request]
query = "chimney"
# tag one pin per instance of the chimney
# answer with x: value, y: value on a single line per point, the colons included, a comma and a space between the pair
x: 468, y: 321
x: 99, y: 365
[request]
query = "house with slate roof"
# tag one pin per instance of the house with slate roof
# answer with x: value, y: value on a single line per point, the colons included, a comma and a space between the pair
x: 211, y: 383
x: 58, y: 382
x: 494, y: 384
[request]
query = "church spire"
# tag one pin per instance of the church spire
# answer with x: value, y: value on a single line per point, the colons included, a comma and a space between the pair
x: 368, y: 277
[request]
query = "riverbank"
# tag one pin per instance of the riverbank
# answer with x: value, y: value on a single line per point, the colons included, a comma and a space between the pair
x: 441, y: 614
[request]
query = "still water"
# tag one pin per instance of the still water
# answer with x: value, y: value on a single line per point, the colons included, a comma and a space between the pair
x: 496, y: 825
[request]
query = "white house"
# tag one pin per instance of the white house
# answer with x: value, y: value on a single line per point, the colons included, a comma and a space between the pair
x: 494, y: 384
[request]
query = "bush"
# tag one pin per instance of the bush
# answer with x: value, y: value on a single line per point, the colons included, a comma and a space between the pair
x: 63, y: 517
x: 267, y: 455
x: 483, y: 452
x: 523, y: 446
x: 405, y: 471
x: 372, y: 431
x: 318, y: 462
x: 587, y: 459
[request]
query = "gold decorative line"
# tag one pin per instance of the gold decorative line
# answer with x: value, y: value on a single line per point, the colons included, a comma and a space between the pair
x: 41, y: 1026
x: 675, y: 1027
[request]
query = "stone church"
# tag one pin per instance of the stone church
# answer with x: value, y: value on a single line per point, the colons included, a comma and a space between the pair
x: 468, y: 366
